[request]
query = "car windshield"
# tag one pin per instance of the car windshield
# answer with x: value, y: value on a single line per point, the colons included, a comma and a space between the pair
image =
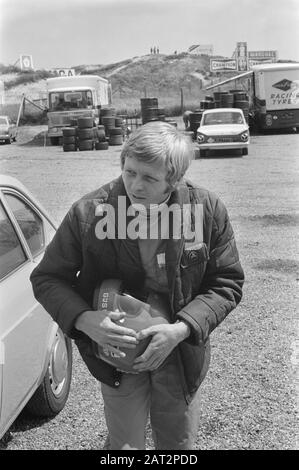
x: 224, y: 117
x: 62, y: 101
x: 3, y: 121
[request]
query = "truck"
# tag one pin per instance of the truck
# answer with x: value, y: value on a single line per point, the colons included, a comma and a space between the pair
x: 74, y: 96
x: 273, y: 93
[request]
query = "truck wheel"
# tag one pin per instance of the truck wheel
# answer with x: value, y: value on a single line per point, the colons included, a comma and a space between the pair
x: 245, y: 151
x: 54, y: 140
x: 51, y: 396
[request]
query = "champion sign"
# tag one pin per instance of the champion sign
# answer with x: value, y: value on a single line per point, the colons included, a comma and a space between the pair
x: 220, y: 65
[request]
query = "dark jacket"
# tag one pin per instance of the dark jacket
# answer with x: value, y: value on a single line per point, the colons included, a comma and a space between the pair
x: 203, y: 288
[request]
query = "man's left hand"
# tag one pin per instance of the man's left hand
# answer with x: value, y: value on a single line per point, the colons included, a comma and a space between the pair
x: 165, y: 338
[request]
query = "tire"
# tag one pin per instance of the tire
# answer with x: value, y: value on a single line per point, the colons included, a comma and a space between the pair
x: 245, y: 151
x: 115, y: 131
x: 68, y: 131
x: 101, y: 145
x: 69, y: 147
x: 85, y: 122
x: 86, y: 144
x: 69, y: 139
x: 116, y: 140
x: 203, y: 153
x: 118, y: 122
x: 108, y: 121
x: 8, y: 141
x: 51, y: 396
x: 84, y: 134
x: 54, y: 140
x: 101, y: 136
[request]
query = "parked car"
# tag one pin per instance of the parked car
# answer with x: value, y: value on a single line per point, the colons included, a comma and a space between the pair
x: 223, y: 128
x: 35, y: 356
x: 8, y: 130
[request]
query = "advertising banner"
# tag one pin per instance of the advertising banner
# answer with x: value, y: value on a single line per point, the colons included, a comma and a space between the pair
x: 26, y: 62
x: 222, y: 65
x: 282, y: 89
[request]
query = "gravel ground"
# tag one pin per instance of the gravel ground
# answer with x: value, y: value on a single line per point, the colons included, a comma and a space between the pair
x: 250, y: 395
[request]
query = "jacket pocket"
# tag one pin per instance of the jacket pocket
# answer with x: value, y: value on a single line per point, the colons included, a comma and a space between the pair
x: 192, y: 257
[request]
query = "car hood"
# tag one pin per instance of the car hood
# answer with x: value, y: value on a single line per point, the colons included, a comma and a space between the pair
x: 223, y: 129
x: 3, y: 127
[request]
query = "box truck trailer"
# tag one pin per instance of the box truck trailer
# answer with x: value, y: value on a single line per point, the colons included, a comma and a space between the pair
x: 273, y: 92
x: 72, y: 97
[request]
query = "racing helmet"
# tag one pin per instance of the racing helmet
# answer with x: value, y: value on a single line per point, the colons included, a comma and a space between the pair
x: 111, y: 295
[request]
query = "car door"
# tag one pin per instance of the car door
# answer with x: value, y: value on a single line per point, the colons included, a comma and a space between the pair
x: 24, y: 324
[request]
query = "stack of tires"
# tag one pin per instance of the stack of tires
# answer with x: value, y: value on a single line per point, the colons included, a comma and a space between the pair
x: 85, y: 133
x: 241, y: 101
x: 69, y: 139
x: 100, y: 138
x: 113, y: 126
x: 221, y: 101
x: 227, y: 100
x: 116, y: 136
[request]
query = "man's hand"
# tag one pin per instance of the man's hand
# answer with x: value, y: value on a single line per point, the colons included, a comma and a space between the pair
x: 100, y: 326
x: 165, y: 338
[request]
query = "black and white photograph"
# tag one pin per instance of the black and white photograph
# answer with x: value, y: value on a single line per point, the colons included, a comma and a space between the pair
x: 149, y: 214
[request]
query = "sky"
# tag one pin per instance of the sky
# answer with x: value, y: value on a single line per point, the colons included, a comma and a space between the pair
x: 66, y: 33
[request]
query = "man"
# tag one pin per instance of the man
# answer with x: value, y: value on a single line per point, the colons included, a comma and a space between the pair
x: 192, y: 266
x: 186, y: 119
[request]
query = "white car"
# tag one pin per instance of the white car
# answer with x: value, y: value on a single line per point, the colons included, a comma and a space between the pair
x: 35, y: 356
x: 8, y: 130
x: 223, y: 129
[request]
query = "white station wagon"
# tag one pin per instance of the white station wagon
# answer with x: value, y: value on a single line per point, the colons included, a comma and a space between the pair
x: 223, y: 129
x: 35, y: 356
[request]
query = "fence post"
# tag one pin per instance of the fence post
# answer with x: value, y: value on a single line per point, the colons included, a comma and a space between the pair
x: 182, y: 101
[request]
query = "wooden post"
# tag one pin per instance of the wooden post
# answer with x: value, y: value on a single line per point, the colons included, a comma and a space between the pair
x: 21, y: 108
x: 182, y: 101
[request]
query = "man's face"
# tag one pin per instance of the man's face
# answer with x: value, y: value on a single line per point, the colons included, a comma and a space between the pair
x: 145, y: 183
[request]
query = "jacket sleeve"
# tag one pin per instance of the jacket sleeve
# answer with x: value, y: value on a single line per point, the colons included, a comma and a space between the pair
x: 54, y: 277
x: 221, y: 287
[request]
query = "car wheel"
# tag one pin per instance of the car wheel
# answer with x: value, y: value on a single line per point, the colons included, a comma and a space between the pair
x: 8, y: 141
x: 245, y: 151
x: 51, y: 396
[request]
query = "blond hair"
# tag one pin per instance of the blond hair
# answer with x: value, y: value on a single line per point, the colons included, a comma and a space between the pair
x: 160, y: 141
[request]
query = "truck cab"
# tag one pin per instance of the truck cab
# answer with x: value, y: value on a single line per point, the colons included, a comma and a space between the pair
x: 73, y: 97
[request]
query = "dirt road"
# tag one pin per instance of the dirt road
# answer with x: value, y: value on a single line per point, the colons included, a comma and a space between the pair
x: 250, y: 396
